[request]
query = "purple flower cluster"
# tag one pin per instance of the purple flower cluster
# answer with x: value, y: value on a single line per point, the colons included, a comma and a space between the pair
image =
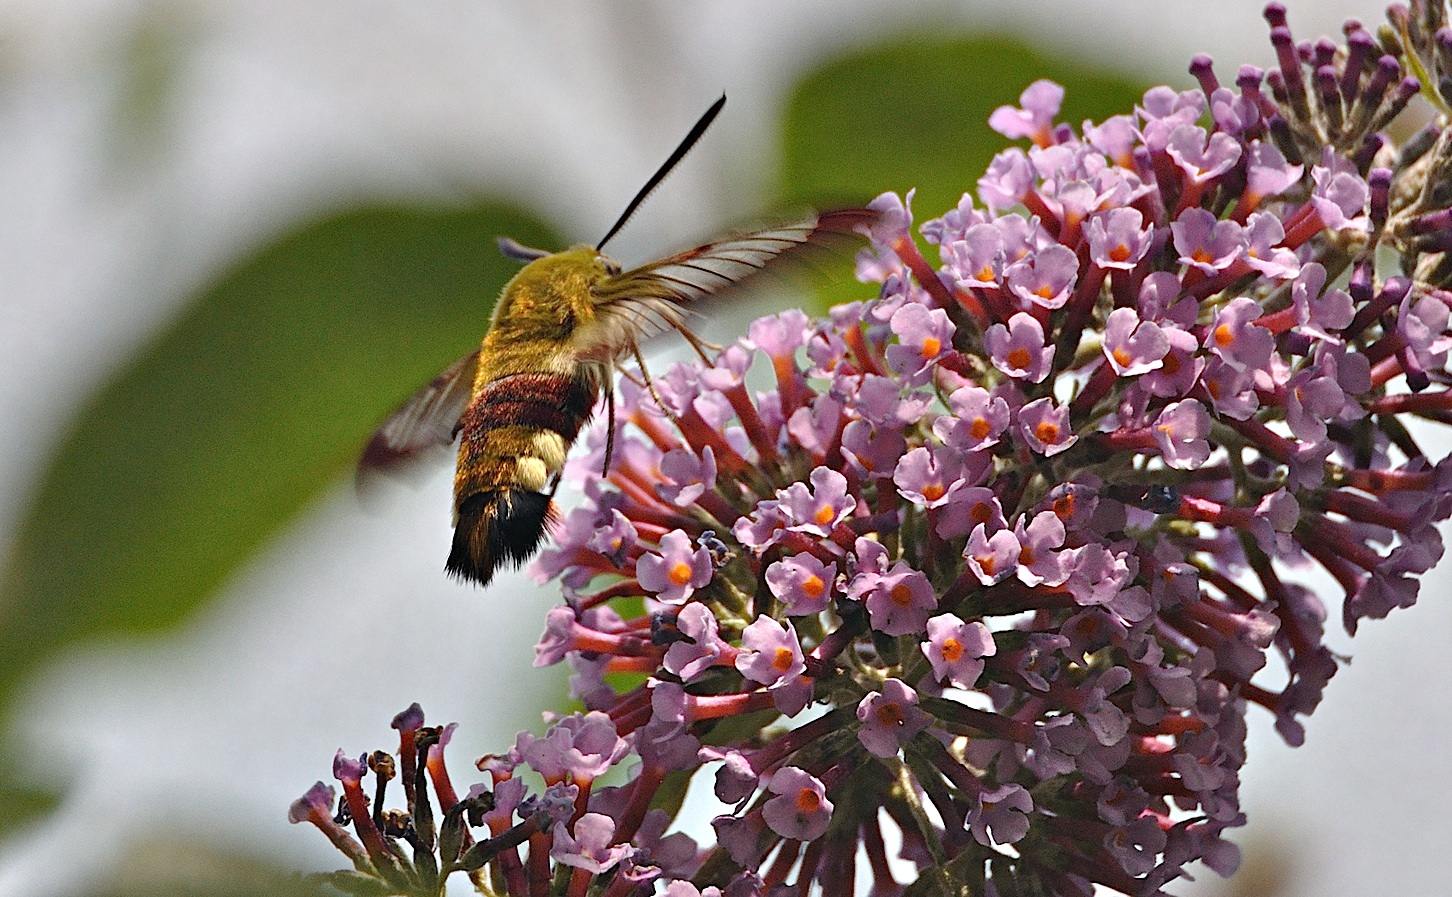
x: 991, y: 565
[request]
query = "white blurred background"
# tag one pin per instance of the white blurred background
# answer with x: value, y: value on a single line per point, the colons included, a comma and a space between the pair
x: 279, y: 109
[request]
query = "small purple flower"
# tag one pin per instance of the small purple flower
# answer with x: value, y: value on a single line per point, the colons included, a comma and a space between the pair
x: 770, y: 653
x: 615, y: 538
x: 978, y: 419
x: 802, y: 583
x: 1039, y: 103
x: 688, y: 659
x: 1045, y: 427
x: 575, y: 749
x: 1115, y: 137
x: 1205, y: 243
x: 687, y: 477
x: 1136, y: 845
x: 1320, y: 314
x: 991, y: 558
x: 956, y: 649
x: 1263, y: 235
x: 1118, y: 238
x: 590, y: 846
x: 680, y: 568
x: 1018, y: 349
x: 315, y: 804
x: 818, y: 510
x: 923, y: 335
x: 900, y: 600
x: 1132, y: 346
x: 1180, y: 431
x: 1340, y: 195
x: 929, y: 476
x: 1275, y: 518
x: 781, y: 335
x: 800, y: 810
x: 971, y: 506
x: 1007, y: 181
x: 1267, y: 172
x: 890, y: 718
x: 1040, y: 562
x: 1001, y: 816
x: 978, y: 258
x: 1235, y: 338
x: 1200, y: 158
x: 1044, y: 279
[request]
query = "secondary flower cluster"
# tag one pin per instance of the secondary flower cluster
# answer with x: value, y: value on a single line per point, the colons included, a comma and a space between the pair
x: 995, y: 565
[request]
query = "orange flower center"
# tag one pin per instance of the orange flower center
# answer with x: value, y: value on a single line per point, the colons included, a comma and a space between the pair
x: 1119, y: 253
x: 783, y: 659
x: 681, y: 573
x: 933, y: 491
x: 952, y: 650
x: 826, y: 514
x: 808, y: 801
x: 932, y: 346
x: 889, y: 714
x: 1020, y: 358
x: 1224, y: 336
x: 1047, y: 433
x: 1064, y: 506
x: 980, y: 428
x: 814, y: 586
x: 982, y: 512
x: 901, y: 595
x: 1122, y: 357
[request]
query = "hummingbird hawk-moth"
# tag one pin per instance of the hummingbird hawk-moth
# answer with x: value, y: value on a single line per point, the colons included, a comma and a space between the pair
x: 559, y: 328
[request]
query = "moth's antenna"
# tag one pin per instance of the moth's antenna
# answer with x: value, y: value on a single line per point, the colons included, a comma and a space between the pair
x: 696, y: 131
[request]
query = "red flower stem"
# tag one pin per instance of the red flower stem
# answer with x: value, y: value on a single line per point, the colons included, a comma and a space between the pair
x: 1369, y: 510
x: 786, y: 858
x: 1411, y: 403
x: 579, y: 882
x: 650, y: 425
x: 538, y: 870
x: 751, y: 422
x: 641, y: 794
x: 439, y: 774
x: 363, y: 824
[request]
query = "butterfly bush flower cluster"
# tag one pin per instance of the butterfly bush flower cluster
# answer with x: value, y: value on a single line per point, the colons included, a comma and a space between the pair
x: 990, y: 566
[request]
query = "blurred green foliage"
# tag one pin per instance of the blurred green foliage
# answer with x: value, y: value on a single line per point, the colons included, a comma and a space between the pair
x: 257, y: 398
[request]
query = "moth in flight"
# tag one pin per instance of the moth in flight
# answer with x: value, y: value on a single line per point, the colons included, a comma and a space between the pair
x: 559, y: 328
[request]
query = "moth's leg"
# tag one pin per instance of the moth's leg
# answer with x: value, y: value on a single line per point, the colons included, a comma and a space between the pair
x: 701, y: 346
x: 648, y: 384
x: 610, y: 424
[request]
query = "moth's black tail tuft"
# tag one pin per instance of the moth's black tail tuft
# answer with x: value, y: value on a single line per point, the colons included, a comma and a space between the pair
x: 495, y: 528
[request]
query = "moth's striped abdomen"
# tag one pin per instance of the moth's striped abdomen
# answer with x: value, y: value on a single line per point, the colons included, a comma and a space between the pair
x: 515, y: 434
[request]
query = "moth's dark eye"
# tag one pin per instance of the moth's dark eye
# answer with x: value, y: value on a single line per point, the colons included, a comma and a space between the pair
x: 612, y: 267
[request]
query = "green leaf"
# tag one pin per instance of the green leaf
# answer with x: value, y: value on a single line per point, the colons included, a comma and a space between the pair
x: 256, y: 399
x: 913, y: 113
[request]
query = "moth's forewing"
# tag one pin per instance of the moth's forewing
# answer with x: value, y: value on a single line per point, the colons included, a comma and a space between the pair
x: 422, y: 426
x: 651, y: 298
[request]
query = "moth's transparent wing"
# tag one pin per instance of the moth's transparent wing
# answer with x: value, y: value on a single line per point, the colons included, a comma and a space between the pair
x: 646, y: 300
x: 423, y: 425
